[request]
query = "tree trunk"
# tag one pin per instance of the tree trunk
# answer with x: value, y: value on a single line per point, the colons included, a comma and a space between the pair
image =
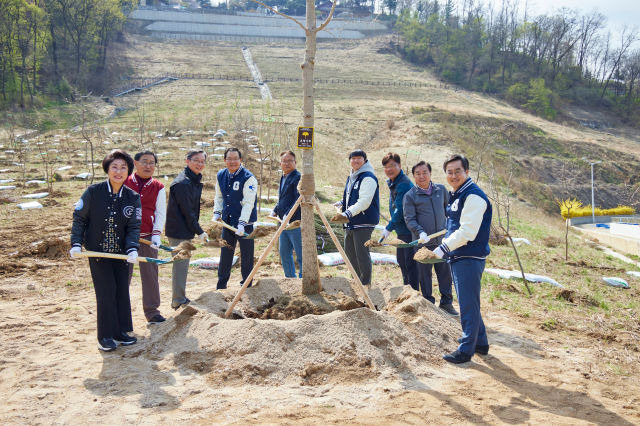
x: 310, y: 269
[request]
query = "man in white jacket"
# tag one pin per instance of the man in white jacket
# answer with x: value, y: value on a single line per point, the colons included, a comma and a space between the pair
x: 361, y: 205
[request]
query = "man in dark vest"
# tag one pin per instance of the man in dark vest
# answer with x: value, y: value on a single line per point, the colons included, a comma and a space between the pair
x: 399, y: 184
x: 235, y: 204
x: 466, y: 246
x: 288, y: 194
x: 361, y: 205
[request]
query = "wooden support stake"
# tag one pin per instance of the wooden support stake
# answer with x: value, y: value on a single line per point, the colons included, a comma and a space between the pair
x: 264, y: 255
x: 344, y: 255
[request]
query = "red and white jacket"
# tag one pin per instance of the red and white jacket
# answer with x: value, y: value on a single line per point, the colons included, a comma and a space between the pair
x: 154, y: 205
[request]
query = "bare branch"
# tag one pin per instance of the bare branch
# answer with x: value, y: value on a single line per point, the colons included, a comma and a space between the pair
x: 326, y: 22
x: 306, y: 31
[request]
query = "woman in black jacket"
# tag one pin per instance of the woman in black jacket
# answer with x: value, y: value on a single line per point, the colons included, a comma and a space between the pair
x: 107, y: 219
x: 183, y: 215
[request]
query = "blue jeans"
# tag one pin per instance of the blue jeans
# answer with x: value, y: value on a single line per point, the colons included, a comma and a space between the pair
x: 290, y: 240
x: 466, y: 278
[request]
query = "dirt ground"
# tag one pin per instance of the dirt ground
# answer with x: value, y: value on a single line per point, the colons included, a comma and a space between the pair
x: 199, y: 367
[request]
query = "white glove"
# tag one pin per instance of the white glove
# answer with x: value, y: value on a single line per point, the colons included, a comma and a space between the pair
x: 216, y: 217
x: 338, y: 205
x: 204, y: 236
x: 424, y: 238
x: 385, y: 233
x: 155, y: 241
x: 438, y: 252
x: 74, y: 250
x: 132, y: 257
x: 240, y: 231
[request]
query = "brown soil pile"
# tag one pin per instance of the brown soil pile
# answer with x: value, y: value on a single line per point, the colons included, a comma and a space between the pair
x: 573, y: 296
x: 424, y: 254
x: 182, y: 255
x: 262, y: 231
x: 53, y: 248
x: 186, y: 245
x: 217, y: 242
x: 214, y: 229
x: 339, y: 218
x: 355, y: 345
x: 372, y: 243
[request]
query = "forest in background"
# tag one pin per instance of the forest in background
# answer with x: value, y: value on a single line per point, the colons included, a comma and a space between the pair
x: 51, y: 48
x: 535, y: 62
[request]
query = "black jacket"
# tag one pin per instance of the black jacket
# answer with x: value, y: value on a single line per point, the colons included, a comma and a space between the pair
x: 183, y: 210
x: 287, y: 196
x: 91, y: 219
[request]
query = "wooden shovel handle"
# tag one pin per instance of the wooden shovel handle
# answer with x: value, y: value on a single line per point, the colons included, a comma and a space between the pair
x: 229, y: 227
x: 106, y: 255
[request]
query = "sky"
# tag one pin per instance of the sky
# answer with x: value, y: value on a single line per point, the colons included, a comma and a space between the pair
x: 618, y: 12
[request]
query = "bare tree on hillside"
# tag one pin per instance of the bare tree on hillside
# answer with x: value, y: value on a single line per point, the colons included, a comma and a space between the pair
x: 311, y: 271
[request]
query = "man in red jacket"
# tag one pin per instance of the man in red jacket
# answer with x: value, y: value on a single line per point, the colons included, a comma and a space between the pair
x: 154, y: 208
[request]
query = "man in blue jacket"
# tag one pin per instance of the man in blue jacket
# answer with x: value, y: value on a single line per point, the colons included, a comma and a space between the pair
x: 287, y: 196
x: 399, y: 184
x: 466, y: 247
x: 235, y: 203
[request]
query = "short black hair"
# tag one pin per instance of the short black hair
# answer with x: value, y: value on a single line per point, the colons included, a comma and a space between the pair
x: 358, y: 153
x: 456, y: 157
x: 232, y: 149
x: 117, y: 154
x: 193, y: 152
x: 390, y: 156
x: 419, y: 164
x: 139, y: 155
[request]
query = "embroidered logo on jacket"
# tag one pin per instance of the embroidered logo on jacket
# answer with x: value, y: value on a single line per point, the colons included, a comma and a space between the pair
x: 236, y: 185
x: 355, y: 186
x: 79, y: 204
x: 454, y: 206
x: 127, y: 211
x: 139, y: 213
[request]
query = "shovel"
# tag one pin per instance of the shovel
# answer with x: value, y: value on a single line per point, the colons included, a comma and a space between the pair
x: 292, y: 225
x: 163, y: 247
x: 412, y: 243
x: 122, y: 257
x: 251, y: 236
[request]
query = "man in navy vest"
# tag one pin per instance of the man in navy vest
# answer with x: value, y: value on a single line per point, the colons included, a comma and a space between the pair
x: 361, y: 205
x: 399, y: 184
x: 466, y: 246
x: 287, y: 196
x: 235, y: 204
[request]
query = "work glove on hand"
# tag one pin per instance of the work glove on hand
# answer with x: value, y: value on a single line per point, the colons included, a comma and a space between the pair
x: 155, y: 241
x: 240, y: 231
x: 204, y: 237
x: 132, y: 257
x: 424, y: 238
x: 74, y: 250
x: 438, y: 252
x: 216, y: 217
x: 385, y: 233
x: 338, y: 205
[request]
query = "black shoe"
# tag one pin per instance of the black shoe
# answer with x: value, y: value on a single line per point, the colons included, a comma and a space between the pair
x: 125, y: 340
x: 175, y: 308
x: 457, y: 357
x: 449, y: 309
x: 482, y: 349
x: 107, y: 344
x: 156, y: 319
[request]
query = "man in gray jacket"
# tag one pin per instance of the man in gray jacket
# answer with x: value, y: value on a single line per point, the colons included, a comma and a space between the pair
x: 424, y: 213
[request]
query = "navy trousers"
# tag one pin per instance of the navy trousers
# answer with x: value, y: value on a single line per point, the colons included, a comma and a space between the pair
x: 226, y: 256
x: 407, y: 265
x: 113, y: 306
x: 466, y: 277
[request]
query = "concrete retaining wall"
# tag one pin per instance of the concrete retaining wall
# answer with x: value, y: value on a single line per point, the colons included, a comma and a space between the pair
x: 603, y: 219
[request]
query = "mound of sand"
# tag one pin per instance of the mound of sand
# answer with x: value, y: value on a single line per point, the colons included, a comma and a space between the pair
x: 52, y: 248
x: 406, y: 338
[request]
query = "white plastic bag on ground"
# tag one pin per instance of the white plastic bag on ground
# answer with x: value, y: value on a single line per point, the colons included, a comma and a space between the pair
x: 7, y: 187
x: 504, y: 273
x: 30, y: 205
x: 518, y: 241
x: 38, y: 195
x: 634, y: 273
x: 331, y: 259
x: 383, y: 259
x: 210, y: 262
x: 616, y: 282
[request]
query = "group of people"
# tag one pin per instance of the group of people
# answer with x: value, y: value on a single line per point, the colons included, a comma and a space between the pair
x: 131, y: 208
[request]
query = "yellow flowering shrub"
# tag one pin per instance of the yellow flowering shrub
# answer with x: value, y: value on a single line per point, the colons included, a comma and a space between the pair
x: 574, y: 208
